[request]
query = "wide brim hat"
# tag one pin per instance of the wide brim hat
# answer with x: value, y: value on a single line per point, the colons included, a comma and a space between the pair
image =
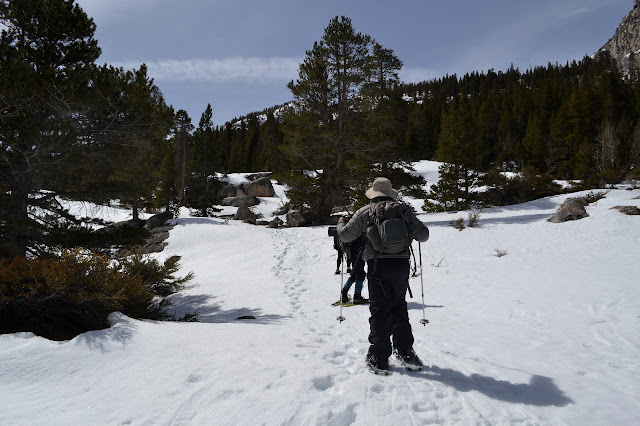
x: 381, y: 187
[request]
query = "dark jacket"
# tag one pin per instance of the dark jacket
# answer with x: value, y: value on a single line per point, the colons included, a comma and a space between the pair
x: 358, y: 224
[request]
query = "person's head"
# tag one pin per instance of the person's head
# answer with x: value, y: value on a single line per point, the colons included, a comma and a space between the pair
x: 381, y: 187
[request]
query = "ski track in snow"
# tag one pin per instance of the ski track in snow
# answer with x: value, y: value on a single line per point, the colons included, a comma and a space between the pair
x: 520, y: 339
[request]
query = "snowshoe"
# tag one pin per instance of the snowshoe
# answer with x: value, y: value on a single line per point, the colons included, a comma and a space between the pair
x: 409, y: 361
x: 377, y: 366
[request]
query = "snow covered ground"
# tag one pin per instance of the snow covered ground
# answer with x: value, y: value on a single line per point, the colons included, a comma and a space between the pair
x: 546, y: 334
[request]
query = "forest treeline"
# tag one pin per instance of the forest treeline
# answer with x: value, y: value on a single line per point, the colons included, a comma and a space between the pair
x: 576, y: 121
x: 71, y: 128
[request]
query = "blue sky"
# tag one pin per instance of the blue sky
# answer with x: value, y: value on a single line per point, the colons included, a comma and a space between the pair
x: 238, y: 55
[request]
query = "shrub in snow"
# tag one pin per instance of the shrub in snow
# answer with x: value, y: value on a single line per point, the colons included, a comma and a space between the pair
x: 458, y: 223
x: 62, y: 296
x: 593, y: 197
x: 500, y: 253
x: 473, y: 218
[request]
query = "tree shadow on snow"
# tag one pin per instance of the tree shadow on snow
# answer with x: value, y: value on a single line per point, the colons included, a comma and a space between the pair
x: 121, y: 332
x: 540, y: 391
x: 209, y: 312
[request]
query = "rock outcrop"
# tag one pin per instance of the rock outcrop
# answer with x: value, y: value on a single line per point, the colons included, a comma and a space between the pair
x: 626, y: 40
x: 261, y: 187
x: 571, y: 209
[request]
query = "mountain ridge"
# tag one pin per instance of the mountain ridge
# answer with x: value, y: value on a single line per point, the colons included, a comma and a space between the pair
x: 624, y: 45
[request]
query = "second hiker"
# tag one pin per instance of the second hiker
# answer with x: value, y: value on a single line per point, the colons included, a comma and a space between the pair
x: 357, y: 273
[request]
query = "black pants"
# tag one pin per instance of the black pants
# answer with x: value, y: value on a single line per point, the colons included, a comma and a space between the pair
x: 388, y: 283
x: 357, y: 270
x: 339, y: 260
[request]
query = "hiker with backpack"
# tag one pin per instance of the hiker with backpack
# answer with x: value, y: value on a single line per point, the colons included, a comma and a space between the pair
x: 389, y: 227
x: 343, y: 251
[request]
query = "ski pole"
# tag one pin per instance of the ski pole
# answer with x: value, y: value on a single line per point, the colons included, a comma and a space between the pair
x: 341, y: 318
x: 423, y: 321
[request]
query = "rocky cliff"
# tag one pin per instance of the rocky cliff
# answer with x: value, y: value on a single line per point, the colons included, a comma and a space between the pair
x: 626, y: 40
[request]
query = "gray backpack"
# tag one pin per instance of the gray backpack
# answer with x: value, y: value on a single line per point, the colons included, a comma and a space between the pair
x: 389, y: 231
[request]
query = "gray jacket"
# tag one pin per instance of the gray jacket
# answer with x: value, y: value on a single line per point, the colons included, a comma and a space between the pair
x: 358, y: 224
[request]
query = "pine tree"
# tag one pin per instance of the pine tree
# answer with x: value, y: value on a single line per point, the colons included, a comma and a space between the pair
x: 271, y: 156
x: 182, y: 137
x: 204, y: 160
x: 66, y: 123
x: 324, y: 131
x: 457, y: 148
x: 535, y: 142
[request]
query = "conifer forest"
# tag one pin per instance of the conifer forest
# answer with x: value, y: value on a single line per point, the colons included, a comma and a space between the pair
x: 72, y: 128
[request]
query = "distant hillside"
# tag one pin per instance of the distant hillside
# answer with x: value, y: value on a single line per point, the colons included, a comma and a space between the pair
x: 626, y: 40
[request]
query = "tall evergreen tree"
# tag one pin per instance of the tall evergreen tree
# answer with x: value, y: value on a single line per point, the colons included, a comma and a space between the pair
x: 46, y: 53
x: 65, y: 123
x: 536, y: 142
x: 323, y: 132
x: 204, y: 160
x: 271, y: 156
x: 182, y: 137
x: 458, y: 150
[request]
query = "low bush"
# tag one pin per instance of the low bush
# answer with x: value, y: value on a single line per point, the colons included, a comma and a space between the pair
x: 473, y: 219
x: 458, y: 223
x: 593, y: 197
x: 62, y: 296
x: 500, y: 253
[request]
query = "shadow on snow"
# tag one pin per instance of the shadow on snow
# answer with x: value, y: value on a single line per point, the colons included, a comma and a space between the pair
x: 540, y: 391
x: 517, y: 219
x: 418, y: 306
x: 209, y: 312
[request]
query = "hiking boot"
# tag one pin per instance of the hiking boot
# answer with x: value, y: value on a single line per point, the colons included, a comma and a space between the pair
x: 344, y: 295
x: 377, y: 365
x: 409, y: 359
x: 359, y: 300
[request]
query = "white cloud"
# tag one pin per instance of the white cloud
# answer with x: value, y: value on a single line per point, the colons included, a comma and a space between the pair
x: 254, y: 70
x: 417, y: 74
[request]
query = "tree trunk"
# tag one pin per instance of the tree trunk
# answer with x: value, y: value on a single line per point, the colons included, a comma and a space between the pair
x: 326, y: 197
x: 17, y: 224
x: 181, y: 156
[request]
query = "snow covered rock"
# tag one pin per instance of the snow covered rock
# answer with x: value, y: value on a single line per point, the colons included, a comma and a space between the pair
x: 241, y: 201
x: 294, y: 219
x: 261, y: 187
x: 571, y: 209
x: 628, y: 210
x: 245, y: 214
x: 159, y: 219
x: 276, y: 223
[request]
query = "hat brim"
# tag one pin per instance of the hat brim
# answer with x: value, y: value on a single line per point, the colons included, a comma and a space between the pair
x: 372, y: 193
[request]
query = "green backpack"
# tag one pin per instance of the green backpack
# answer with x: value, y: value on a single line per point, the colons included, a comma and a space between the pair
x: 389, y: 231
